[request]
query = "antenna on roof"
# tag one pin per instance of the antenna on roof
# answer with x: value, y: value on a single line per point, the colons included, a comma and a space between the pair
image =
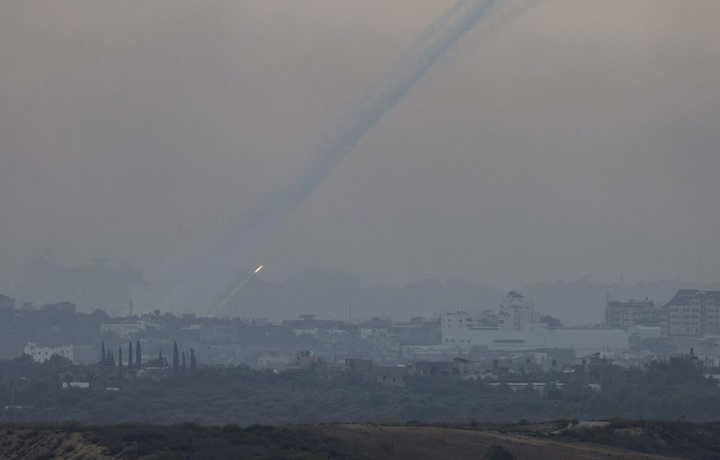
x: 699, y: 274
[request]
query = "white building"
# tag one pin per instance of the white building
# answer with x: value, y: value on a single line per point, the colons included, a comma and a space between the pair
x: 127, y: 329
x: 456, y: 331
x: 42, y: 354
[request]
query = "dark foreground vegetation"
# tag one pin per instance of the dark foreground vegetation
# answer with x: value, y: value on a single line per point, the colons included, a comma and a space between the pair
x: 561, y: 439
x: 672, y: 390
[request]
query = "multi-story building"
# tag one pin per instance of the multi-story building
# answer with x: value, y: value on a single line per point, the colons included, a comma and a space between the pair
x: 453, y: 320
x: 624, y: 315
x: 693, y: 312
x: 516, y: 311
x: 465, y: 331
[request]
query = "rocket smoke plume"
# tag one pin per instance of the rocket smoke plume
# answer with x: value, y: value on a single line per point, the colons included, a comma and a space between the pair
x: 192, y: 280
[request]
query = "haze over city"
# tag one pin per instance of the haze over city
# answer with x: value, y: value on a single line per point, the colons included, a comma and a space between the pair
x: 362, y: 229
x: 552, y: 140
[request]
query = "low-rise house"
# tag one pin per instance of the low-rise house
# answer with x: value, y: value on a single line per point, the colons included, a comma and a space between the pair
x: 326, y: 371
x: 359, y: 365
x: 216, y: 331
x: 273, y: 361
x: 444, y: 369
x: 392, y: 376
x: 305, y: 358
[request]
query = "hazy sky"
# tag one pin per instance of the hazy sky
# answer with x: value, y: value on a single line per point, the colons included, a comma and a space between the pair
x: 579, y: 138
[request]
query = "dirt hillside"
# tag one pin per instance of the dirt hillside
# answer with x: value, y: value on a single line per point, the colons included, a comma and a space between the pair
x: 556, y: 441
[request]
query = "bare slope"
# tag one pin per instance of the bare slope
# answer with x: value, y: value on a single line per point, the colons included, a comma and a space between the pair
x: 619, y: 439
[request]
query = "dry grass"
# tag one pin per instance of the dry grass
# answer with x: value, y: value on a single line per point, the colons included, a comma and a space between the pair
x: 416, y: 442
x: 428, y: 442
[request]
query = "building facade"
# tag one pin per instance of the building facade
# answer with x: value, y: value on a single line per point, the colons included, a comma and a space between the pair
x: 693, y: 312
x: 42, y: 354
x: 516, y: 311
x: 624, y: 315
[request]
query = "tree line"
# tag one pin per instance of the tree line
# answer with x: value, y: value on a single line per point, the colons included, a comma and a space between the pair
x: 179, y: 361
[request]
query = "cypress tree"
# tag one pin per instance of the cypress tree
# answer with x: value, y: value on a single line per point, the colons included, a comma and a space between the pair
x: 183, y: 361
x: 193, y: 362
x: 130, y: 355
x: 120, y: 356
x: 138, y: 355
x: 176, y: 357
x: 103, y: 358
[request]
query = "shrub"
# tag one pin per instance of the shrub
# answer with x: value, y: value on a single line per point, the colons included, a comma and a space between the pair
x: 498, y: 452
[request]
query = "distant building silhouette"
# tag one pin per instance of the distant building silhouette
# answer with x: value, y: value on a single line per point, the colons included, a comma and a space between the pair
x: 623, y: 315
x: 59, y: 307
x: 6, y: 303
x: 89, y: 287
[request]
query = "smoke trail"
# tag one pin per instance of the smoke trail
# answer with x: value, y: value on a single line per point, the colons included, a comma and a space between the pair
x: 403, y: 76
x: 200, y: 274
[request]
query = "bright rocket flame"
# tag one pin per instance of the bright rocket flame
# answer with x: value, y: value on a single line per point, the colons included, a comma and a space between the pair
x: 232, y: 293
